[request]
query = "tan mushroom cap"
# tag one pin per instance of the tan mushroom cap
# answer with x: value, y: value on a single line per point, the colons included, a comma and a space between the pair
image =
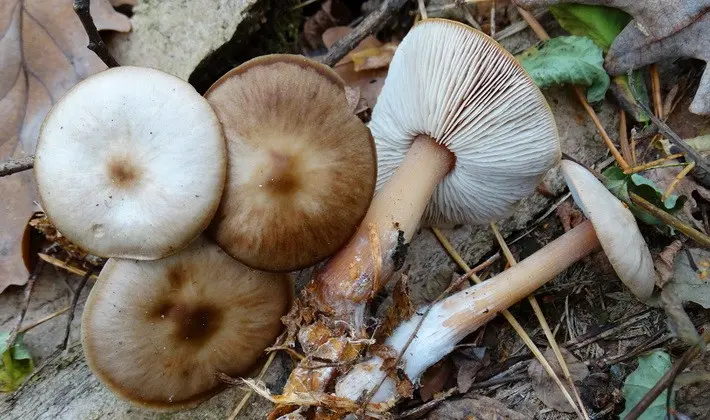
x: 155, y: 332
x: 616, y: 229
x: 302, y: 167
x: 131, y: 163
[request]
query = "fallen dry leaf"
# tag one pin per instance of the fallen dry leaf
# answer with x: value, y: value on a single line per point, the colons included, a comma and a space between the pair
x: 43, y: 50
x: 545, y: 387
x: 691, y: 280
x: 468, y: 364
x: 434, y: 379
x: 369, y: 82
x: 400, y: 310
x: 374, y: 58
x: 473, y: 407
x: 331, y: 13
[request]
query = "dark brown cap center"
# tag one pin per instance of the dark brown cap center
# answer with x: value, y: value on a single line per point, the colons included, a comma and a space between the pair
x: 281, y: 175
x: 123, y: 173
x: 194, y: 324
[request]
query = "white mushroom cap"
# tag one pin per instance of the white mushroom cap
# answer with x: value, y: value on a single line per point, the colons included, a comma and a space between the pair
x: 156, y: 332
x: 131, y: 163
x: 616, y: 229
x: 459, y: 87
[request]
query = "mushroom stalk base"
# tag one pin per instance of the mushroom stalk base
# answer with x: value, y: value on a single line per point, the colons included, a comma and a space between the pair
x: 453, y: 318
x: 366, y: 263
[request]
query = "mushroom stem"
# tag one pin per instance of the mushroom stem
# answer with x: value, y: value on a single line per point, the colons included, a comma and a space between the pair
x: 450, y: 320
x: 365, y: 264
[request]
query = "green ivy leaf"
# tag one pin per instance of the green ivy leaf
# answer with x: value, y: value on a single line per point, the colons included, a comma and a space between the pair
x: 651, y: 368
x: 15, y: 363
x: 565, y: 60
x: 621, y: 184
x: 601, y: 24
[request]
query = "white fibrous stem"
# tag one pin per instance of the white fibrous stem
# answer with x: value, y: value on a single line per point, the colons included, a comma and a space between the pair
x: 345, y: 285
x: 452, y: 319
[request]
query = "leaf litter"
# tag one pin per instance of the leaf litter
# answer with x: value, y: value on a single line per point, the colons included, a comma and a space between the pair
x: 363, y: 68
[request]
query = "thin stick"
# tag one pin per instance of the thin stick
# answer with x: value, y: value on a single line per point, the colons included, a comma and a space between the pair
x: 371, y: 24
x: 652, y: 164
x: 667, y: 218
x: 422, y: 9
x: 250, y: 392
x: 542, y: 34
x: 75, y: 300
x: 61, y: 264
x: 512, y: 321
x: 543, y: 322
x: 13, y: 166
x: 624, y: 139
x: 633, y: 149
x: 656, y: 89
x: 493, y: 18
x: 96, y: 43
x: 467, y: 14
x: 45, y: 319
x: 677, y: 179
x: 25, y: 304
x: 668, y: 378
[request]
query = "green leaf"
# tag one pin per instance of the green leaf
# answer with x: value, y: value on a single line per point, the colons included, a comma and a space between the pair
x: 621, y: 184
x: 651, y: 368
x: 567, y: 60
x: 599, y: 23
x: 15, y: 362
x: 633, y: 94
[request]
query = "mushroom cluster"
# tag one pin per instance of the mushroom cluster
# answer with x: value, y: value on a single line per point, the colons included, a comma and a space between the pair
x: 134, y: 165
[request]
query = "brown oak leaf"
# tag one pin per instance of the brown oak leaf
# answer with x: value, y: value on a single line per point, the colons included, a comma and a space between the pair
x: 44, y: 54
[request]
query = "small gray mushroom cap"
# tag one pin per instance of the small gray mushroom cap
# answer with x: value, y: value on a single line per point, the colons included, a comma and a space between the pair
x: 616, y: 229
x: 458, y: 86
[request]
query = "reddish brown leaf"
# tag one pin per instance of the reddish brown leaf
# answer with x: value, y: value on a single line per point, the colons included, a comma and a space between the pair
x: 43, y: 46
x: 400, y: 310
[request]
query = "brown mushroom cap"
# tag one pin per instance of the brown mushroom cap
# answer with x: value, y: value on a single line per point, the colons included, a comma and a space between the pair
x: 156, y: 332
x: 301, y: 166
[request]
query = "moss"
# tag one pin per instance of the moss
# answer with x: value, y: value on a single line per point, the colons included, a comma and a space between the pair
x: 269, y: 26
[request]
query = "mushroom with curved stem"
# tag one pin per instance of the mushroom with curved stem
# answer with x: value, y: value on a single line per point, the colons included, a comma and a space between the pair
x: 462, y: 135
x: 131, y: 163
x: 302, y: 166
x: 156, y: 332
x: 610, y: 227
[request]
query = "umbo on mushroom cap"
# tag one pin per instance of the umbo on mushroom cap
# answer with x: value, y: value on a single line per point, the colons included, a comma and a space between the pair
x: 131, y: 163
x: 616, y: 229
x: 474, y: 98
x: 156, y: 332
x: 302, y: 167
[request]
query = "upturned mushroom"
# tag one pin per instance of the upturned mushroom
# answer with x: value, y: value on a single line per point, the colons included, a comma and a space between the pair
x: 462, y: 135
x: 611, y: 227
x: 156, y: 332
x: 301, y: 169
x: 131, y: 163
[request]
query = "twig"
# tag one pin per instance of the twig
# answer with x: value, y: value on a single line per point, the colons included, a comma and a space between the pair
x: 668, y: 378
x: 493, y: 19
x: 12, y: 166
x: 667, y: 218
x: 542, y: 34
x: 656, y: 89
x: 652, y: 164
x: 25, y: 304
x: 416, y: 412
x: 45, y: 319
x: 677, y: 179
x: 250, y: 392
x: 467, y: 14
x: 61, y: 264
x: 371, y: 24
x: 422, y: 9
x: 605, y: 331
x: 511, y: 320
x: 96, y: 43
x: 691, y: 153
x: 624, y: 139
x: 543, y: 322
x: 74, y: 301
